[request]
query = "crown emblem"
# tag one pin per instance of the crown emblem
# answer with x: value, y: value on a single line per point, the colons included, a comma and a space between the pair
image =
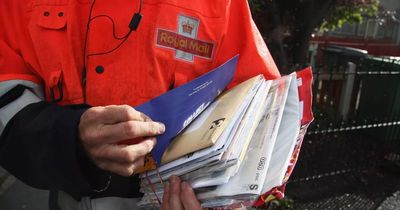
x: 187, y: 27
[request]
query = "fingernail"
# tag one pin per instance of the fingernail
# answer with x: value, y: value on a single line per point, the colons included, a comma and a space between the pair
x: 174, y: 179
x: 185, y: 185
x: 154, y: 140
x: 161, y: 128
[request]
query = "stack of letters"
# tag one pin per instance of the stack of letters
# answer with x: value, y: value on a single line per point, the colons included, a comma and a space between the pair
x: 236, y: 147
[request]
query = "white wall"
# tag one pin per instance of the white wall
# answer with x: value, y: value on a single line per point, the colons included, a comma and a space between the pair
x: 391, y: 5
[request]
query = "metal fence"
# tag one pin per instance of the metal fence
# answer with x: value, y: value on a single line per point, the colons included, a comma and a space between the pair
x: 357, y: 118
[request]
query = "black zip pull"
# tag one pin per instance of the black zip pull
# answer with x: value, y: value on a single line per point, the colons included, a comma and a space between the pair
x: 135, y: 21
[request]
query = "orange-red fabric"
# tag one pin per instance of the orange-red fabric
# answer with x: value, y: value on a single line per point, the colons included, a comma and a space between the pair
x: 43, y: 41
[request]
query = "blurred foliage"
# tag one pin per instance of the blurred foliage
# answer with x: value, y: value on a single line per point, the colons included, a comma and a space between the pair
x: 281, y: 204
x: 344, y: 11
x: 285, y: 203
x: 350, y: 12
x: 288, y: 25
x: 256, y: 6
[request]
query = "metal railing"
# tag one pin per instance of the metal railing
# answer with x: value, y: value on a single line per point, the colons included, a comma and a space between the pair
x: 357, y: 119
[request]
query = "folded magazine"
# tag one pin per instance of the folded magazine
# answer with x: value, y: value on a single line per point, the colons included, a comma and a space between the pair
x: 235, y: 147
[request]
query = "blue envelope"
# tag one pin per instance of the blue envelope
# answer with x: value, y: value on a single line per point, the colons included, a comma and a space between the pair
x: 180, y: 106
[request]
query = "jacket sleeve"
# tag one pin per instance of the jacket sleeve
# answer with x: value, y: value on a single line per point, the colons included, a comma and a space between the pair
x: 38, y: 140
x: 242, y: 37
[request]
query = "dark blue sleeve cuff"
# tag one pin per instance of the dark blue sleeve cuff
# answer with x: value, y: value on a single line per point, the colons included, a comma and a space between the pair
x: 40, y: 146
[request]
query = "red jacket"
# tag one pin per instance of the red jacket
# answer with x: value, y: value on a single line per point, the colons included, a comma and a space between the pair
x: 44, y: 41
x: 42, y: 50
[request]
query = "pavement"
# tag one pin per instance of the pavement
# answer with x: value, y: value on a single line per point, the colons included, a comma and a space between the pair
x: 375, y: 189
x: 15, y: 195
x: 391, y: 203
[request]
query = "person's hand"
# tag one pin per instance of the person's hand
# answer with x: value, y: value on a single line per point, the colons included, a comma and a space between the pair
x: 101, y: 128
x: 179, y: 195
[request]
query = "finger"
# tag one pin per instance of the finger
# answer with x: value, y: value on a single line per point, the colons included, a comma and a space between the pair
x: 145, y: 117
x: 165, y: 201
x: 121, y: 113
x: 124, y: 153
x: 175, y: 189
x: 188, y: 197
x: 135, y: 140
x: 115, y: 133
x: 123, y: 169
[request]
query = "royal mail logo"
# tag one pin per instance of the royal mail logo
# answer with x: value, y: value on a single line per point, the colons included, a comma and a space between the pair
x: 185, y: 41
x: 179, y: 42
x: 187, y: 27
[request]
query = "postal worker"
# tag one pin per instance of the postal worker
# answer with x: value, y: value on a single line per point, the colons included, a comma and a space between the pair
x: 71, y: 72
